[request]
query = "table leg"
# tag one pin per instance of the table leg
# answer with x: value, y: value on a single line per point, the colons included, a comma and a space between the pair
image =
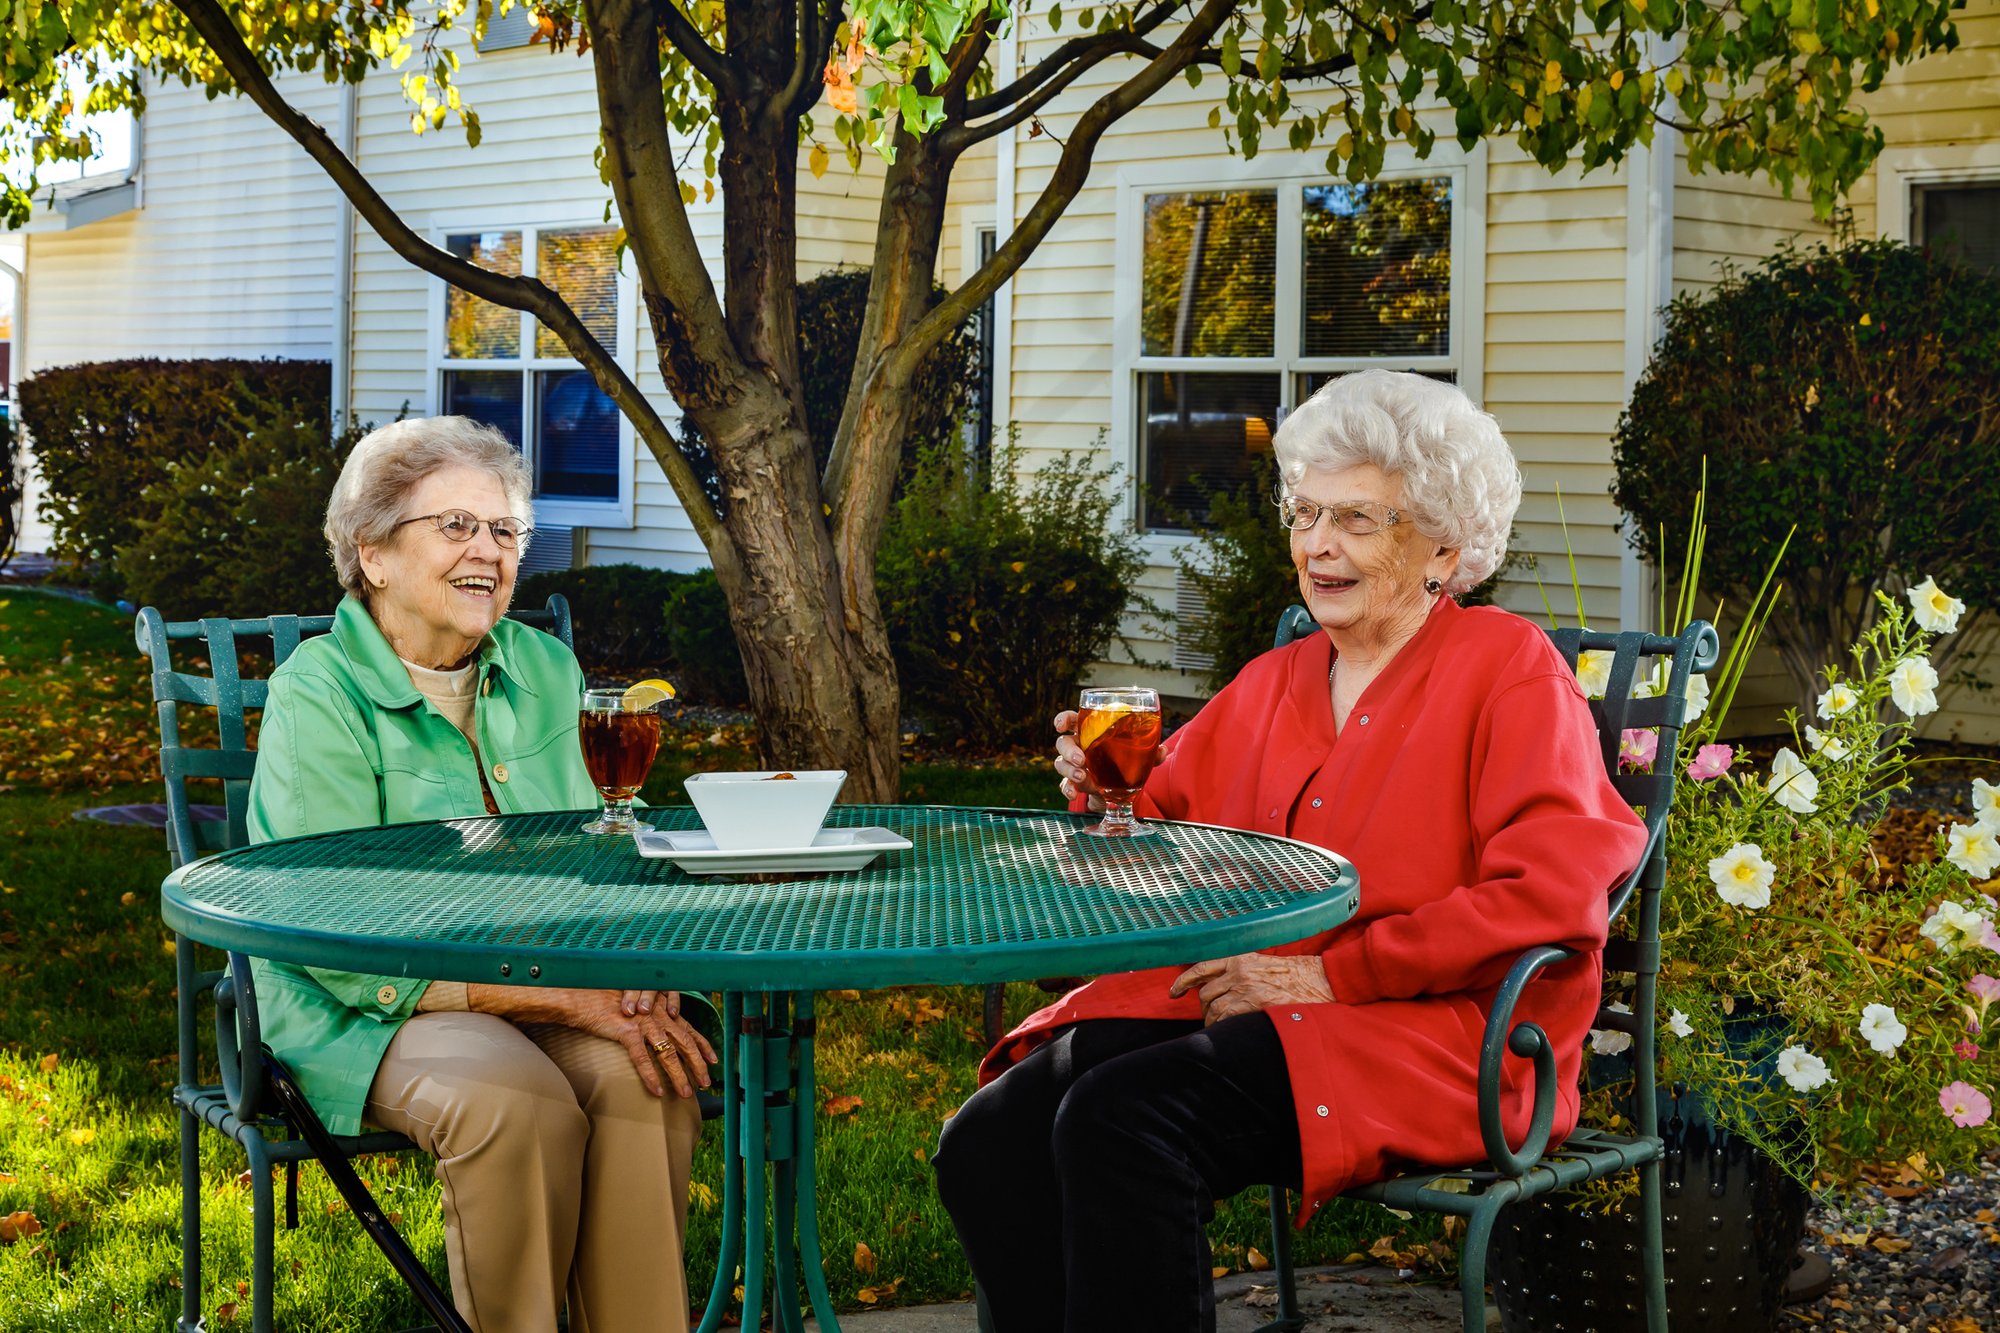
x: 770, y: 1220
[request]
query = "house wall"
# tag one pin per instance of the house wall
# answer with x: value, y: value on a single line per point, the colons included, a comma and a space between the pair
x: 231, y: 255
x: 1544, y: 273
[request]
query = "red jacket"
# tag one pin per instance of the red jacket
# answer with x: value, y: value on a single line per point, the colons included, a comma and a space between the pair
x: 1468, y: 791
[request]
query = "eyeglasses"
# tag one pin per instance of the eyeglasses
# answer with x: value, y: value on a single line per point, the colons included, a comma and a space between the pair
x: 1356, y: 517
x: 459, y: 526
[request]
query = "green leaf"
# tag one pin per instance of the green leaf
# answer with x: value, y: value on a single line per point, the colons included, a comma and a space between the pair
x: 1232, y: 51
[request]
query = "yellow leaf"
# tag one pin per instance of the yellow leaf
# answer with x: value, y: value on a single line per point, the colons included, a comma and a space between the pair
x: 1018, y: 566
x: 1866, y: 320
x: 864, y: 1258
x: 1676, y: 81
x: 1552, y: 75
x: 1617, y: 79
x: 816, y: 161
x: 1220, y: 1270
x: 1255, y: 1258
x: 80, y: 1137
x: 1890, y: 1244
x: 1804, y: 92
x: 18, y: 1226
x: 842, y: 1105
x: 687, y: 193
x: 49, y: 1062
x: 954, y: 635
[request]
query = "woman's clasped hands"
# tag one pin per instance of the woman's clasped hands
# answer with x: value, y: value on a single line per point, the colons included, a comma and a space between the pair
x: 648, y: 1024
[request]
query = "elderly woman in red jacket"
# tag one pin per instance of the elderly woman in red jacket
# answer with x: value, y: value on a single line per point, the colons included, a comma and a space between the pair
x: 1448, y: 753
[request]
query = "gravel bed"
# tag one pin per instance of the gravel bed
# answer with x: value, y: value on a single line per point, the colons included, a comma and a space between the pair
x: 1925, y: 1263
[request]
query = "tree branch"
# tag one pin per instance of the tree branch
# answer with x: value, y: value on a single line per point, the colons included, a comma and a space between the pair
x: 962, y: 137
x: 781, y: 104
x: 515, y: 293
x: 812, y: 54
x: 1072, y: 168
x: 710, y: 63
x: 1076, y: 48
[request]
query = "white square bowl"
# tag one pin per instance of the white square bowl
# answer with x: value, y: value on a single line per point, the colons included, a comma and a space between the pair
x: 757, y: 811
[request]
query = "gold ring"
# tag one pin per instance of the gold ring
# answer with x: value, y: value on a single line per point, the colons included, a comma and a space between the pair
x: 662, y: 1045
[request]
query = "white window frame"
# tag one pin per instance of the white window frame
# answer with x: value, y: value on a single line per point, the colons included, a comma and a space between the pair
x: 1288, y: 174
x: 1899, y: 170
x: 548, y: 512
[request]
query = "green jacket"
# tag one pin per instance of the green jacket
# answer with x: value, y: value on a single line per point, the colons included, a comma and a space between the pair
x: 349, y: 742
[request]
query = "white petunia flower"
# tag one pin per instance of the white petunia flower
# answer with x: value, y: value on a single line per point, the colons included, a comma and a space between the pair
x: 1884, y: 1031
x: 1697, y: 700
x: 1677, y: 1023
x: 1985, y: 801
x: 1826, y: 743
x: 1913, y: 685
x: 1593, y: 671
x: 1975, y: 849
x: 1609, y: 1041
x: 1743, y: 877
x: 1792, y: 784
x: 1655, y: 685
x: 1837, y: 701
x: 1953, y: 926
x: 1802, y: 1069
x: 1937, y: 610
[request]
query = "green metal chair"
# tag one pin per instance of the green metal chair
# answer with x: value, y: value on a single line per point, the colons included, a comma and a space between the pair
x: 1512, y: 1172
x: 256, y: 1103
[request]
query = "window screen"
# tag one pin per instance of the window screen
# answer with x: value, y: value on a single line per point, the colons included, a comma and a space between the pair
x: 1377, y: 279
x: 476, y: 329
x: 1210, y: 279
x: 1960, y: 220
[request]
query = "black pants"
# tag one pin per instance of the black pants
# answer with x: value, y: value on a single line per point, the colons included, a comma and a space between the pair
x: 1081, y: 1180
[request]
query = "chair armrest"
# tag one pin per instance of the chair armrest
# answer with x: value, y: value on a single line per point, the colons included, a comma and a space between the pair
x: 1527, y: 1040
x: 239, y: 1040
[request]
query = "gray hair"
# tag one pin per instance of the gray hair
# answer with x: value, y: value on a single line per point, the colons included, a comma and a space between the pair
x: 387, y: 464
x: 1460, y: 481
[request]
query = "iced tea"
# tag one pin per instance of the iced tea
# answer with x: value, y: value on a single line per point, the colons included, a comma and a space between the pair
x: 618, y: 749
x: 1119, y: 732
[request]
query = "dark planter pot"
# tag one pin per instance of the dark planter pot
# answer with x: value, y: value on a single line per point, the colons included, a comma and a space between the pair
x: 1732, y: 1219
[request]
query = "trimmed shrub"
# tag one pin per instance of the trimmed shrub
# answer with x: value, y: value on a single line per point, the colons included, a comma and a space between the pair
x: 831, y: 308
x: 1000, y: 590
x: 1845, y: 396
x: 702, y: 642
x: 104, y: 432
x: 237, y: 530
x: 1242, y: 558
x: 616, y: 611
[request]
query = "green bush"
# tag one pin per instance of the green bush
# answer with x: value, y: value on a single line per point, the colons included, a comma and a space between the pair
x: 104, y: 432
x: 1000, y: 590
x: 237, y: 531
x: 1242, y: 558
x: 616, y: 611
x: 703, y: 645
x: 831, y: 308
x: 1851, y: 392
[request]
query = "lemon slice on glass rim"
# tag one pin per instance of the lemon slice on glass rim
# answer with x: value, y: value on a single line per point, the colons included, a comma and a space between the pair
x: 646, y: 694
x: 1097, y: 721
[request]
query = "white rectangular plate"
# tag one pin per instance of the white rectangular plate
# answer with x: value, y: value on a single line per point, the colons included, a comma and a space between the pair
x: 695, y: 851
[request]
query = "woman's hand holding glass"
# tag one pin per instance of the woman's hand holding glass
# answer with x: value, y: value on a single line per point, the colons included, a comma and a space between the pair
x: 1072, y: 772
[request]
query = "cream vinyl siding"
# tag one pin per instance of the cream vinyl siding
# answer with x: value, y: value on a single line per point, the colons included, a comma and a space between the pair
x: 230, y: 255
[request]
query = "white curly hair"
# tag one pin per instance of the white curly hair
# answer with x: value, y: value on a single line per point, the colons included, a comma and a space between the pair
x: 1460, y: 481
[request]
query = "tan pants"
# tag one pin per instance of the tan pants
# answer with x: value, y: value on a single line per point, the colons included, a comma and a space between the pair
x: 561, y: 1173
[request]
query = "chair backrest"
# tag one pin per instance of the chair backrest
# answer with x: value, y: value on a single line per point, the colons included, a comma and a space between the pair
x: 1651, y: 793
x: 232, y: 695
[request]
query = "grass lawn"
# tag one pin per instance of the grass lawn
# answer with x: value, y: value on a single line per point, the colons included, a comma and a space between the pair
x: 88, y: 1146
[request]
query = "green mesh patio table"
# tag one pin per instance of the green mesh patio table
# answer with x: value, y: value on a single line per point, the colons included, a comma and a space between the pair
x: 979, y: 896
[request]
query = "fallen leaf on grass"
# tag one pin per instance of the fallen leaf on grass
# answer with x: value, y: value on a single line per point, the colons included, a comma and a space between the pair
x: 82, y: 1137
x: 1847, y: 1237
x: 864, y: 1258
x: 842, y: 1105
x: 842, y: 994
x: 870, y: 1295
x: 18, y: 1226
x: 225, y: 1312
x: 1220, y: 1270
x: 1890, y: 1244
x: 1256, y: 1259
x: 49, y: 1063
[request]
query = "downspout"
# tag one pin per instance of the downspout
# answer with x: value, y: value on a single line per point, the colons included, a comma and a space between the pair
x: 1649, y: 285
x: 1007, y: 66
x: 343, y: 267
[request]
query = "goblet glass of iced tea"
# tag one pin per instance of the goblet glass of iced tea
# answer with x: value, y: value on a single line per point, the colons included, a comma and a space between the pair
x: 620, y: 734
x: 1119, y: 731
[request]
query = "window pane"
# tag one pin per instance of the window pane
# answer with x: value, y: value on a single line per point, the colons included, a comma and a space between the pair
x: 581, y: 265
x: 489, y: 396
x: 1311, y: 382
x: 1197, y: 435
x: 1378, y: 269
x: 578, y: 457
x: 1960, y: 220
x: 476, y: 328
x: 1210, y: 280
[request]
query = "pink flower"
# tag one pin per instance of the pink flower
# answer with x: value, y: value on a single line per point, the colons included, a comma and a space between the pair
x: 1984, y: 989
x: 1965, y: 1050
x: 1989, y: 937
x: 1638, y: 749
x: 1968, y: 1107
x: 1710, y: 761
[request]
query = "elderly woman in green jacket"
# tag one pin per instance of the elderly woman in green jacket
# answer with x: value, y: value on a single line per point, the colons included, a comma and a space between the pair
x: 562, y: 1121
